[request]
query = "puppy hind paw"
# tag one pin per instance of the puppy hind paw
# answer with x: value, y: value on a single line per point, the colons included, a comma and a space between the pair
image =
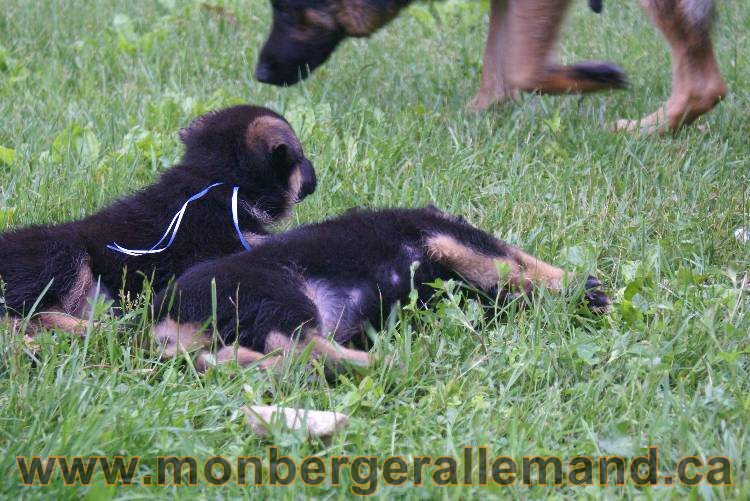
x: 596, y: 300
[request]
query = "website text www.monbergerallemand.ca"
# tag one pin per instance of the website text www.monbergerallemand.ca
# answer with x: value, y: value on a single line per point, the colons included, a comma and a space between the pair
x: 475, y: 466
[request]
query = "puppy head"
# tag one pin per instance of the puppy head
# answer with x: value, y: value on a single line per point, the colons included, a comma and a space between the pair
x: 305, y: 33
x: 254, y: 148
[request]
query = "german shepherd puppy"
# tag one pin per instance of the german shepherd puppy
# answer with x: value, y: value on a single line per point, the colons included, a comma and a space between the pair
x: 245, y: 146
x: 321, y: 283
x: 518, y: 55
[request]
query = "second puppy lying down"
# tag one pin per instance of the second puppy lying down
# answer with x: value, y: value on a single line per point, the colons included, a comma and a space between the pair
x: 330, y: 278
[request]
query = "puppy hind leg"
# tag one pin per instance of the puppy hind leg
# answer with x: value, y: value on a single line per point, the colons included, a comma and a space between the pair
x: 327, y: 351
x: 523, y: 270
x: 175, y: 338
x: 536, y: 271
x: 63, y: 321
x: 244, y: 357
x: 331, y: 351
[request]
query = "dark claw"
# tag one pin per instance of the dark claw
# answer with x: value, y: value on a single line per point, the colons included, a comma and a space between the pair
x: 593, y: 283
x: 596, y: 300
x: 600, y: 71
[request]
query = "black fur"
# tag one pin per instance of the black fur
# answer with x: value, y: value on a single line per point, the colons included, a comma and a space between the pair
x: 358, y: 264
x: 216, y: 150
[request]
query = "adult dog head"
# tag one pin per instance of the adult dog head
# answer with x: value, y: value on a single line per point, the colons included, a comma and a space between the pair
x: 305, y: 33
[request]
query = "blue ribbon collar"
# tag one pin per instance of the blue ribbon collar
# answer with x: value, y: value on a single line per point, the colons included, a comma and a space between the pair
x: 171, y: 232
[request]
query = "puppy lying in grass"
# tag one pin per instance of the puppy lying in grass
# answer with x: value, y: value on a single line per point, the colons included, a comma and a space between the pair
x: 320, y: 284
x: 252, y: 152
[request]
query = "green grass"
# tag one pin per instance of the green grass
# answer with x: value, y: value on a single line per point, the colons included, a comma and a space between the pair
x: 93, y: 93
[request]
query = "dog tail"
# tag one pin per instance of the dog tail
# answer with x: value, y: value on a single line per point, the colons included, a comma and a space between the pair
x: 596, y: 5
x: 33, y: 260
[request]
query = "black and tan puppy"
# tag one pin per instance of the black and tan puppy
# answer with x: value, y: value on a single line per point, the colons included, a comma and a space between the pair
x: 248, y: 147
x: 321, y: 283
x: 518, y: 55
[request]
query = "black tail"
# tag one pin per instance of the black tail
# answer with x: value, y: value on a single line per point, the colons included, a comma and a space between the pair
x: 31, y: 259
x: 596, y: 5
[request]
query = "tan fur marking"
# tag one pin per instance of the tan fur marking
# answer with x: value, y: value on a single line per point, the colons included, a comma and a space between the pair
x: 244, y: 357
x: 74, y: 299
x: 536, y: 270
x: 534, y: 26
x: 179, y: 337
x: 63, y: 321
x: 269, y: 131
x: 295, y: 185
x: 519, y: 55
x: 334, y: 352
x: 482, y: 270
x: 477, y: 268
x: 278, y: 342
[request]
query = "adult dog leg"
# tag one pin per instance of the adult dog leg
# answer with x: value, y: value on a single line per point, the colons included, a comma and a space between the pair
x: 697, y: 84
x: 534, y: 28
x: 494, y: 88
x: 523, y: 270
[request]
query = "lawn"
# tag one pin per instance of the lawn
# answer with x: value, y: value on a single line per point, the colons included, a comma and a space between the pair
x: 92, y: 95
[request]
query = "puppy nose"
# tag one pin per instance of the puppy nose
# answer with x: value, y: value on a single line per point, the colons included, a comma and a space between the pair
x: 307, y: 188
x: 309, y: 181
x: 263, y: 72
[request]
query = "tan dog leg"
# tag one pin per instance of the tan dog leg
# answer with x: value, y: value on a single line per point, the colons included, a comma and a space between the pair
x: 697, y: 84
x: 494, y: 89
